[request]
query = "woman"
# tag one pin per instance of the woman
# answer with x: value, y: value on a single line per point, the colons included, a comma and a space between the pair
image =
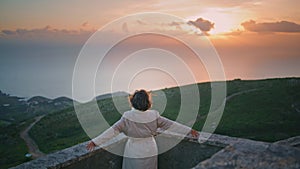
x: 140, y: 125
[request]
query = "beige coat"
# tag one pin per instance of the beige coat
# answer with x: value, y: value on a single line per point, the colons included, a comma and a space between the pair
x: 140, y: 127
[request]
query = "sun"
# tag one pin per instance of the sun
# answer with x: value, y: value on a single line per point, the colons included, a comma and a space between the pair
x: 224, y: 20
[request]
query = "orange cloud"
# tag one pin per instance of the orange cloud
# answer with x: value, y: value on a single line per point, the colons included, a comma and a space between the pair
x: 202, y: 24
x: 125, y: 27
x: 47, y: 30
x: 46, y: 33
x: 85, y: 24
x: 282, y: 26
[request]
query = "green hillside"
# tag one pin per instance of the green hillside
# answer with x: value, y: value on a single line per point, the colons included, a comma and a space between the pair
x: 270, y: 113
x: 17, y: 113
x: 12, y: 147
x: 268, y: 110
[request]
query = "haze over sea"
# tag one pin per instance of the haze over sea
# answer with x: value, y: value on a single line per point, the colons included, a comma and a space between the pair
x: 29, y: 70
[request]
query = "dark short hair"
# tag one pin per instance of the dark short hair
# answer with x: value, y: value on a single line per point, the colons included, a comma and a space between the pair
x: 140, y: 100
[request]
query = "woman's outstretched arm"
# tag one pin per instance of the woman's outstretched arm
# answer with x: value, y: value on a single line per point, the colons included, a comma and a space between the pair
x: 106, y: 135
x: 173, y: 126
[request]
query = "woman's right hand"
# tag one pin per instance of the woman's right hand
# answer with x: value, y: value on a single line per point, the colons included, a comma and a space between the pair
x: 195, y: 133
x: 90, y: 146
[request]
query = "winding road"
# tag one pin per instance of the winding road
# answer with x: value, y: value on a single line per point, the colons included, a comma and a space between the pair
x: 33, y: 149
x: 239, y: 93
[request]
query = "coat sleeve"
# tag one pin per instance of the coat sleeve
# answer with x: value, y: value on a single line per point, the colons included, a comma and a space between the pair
x: 111, y: 132
x: 172, y: 126
x: 163, y: 122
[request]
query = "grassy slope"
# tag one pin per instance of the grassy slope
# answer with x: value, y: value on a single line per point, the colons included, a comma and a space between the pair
x: 14, y: 119
x: 266, y: 114
x: 12, y: 147
x: 62, y: 129
x: 58, y: 130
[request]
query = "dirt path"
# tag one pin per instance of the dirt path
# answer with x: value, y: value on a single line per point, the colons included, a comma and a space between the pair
x: 239, y: 93
x: 33, y: 149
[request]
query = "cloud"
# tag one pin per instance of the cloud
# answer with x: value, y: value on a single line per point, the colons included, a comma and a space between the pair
x: 176, y: 23
x: 141, y: 22
x: 282, y: 26
x: 236, y: 32
x: 202, y: 24
x: 85, y: 24
x: 8, y: 32
x: 125, y: 27
x: 47, y: 30
x: 45, y: 34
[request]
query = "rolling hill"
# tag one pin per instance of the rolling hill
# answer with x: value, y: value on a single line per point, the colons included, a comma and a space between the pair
x: 16, y: 113
x: 266, y: 110
x: 269, y: 111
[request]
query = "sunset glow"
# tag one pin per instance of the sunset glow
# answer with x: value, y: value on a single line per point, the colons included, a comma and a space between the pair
x: 224, y: 20
x: 40, y: 42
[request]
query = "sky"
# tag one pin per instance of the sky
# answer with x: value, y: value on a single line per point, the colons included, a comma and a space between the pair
x: 40, y: 42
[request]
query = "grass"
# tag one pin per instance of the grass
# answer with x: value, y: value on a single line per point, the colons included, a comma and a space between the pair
x: 62, y: 129
x: 15, y: 116
x: 57, y: 131
x: 266, y: 114
x: 12, y: 147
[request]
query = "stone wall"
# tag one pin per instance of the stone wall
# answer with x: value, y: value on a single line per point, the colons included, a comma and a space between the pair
x: 187, y: 154
x: 248, y: 154
x: 217, y: 152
